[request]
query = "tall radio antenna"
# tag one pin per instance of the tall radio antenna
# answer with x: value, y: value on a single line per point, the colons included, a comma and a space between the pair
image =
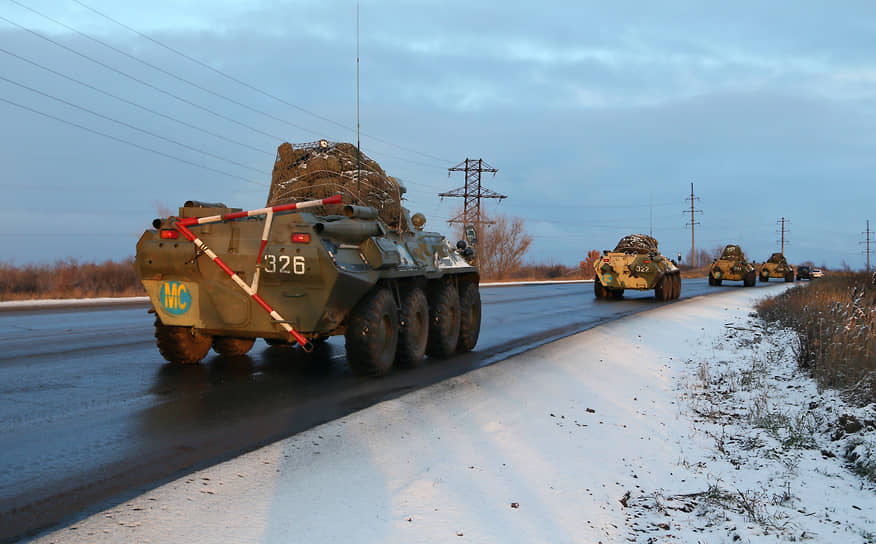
x: 358, y: 151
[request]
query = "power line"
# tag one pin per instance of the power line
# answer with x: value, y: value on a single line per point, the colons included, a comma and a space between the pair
x: 783, y: 222
x: 133, y: 127
x: 177, y: 120
x: 128, y: 142
x: 252, y: 87
x: 867, y: 234
x: 144, y: 83
x: 163, y: 71
x: 132, y: 103
x: 692, y: 224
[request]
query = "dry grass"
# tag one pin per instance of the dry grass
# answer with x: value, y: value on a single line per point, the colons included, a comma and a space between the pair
x: 835, y: 322
x: 69, y: 278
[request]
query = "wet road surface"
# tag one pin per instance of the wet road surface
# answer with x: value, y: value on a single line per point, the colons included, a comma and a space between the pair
x: 90, y: 414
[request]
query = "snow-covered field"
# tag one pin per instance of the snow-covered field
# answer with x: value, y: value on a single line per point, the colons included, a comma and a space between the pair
x: 687, y: 423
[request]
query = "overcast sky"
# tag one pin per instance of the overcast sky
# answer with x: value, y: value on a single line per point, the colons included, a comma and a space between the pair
x: 598, y: 115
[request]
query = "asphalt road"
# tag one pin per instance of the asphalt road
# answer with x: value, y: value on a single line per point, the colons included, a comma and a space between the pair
x: 90, y: 414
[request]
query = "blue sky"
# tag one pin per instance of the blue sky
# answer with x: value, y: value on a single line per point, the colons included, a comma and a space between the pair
x: 597, y: 116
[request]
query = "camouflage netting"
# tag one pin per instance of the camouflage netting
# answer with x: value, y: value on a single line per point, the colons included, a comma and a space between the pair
x: 637, y: 243
x: 313, y: 171
x: 733, y: 253
x: 777, y: 258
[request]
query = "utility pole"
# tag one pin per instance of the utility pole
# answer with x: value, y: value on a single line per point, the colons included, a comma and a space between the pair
x: 783, y: 222
x: 472, y: 193
x: 692, y: 224
x: 866, y: 243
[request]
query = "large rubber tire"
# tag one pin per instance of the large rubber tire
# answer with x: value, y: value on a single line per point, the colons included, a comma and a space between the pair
x: 413, y: 331
x: 676, y: 285
x: 230, y: 346
x: 750, y: 279
x: 598, y: 290
x: 616, y: 294
x: 372, y: 334
x: 181, y: 345
x: 443, y: 321
x: 469, y: 318
x: 663, y: 290
x: 712, y: 280
x: 789, y: 277
x: 764, y: 279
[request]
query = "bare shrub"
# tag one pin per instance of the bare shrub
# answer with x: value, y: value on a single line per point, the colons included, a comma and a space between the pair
x: 835, y: 323
x: 588, y: 266
x: 69, y: 278
x: 502, y: 244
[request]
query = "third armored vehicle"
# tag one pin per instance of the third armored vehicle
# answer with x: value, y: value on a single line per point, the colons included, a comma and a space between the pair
x: 732, y: 266
x: 636, y: 263
x: 776, y: 267
x: 309, y: 268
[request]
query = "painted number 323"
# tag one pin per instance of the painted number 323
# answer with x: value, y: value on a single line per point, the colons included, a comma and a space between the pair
x: 285, y: 264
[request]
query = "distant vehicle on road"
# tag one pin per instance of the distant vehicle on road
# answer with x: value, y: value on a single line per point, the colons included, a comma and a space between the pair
x: 817, y: 273
x: 777, y: 267
x: 732, y: 266
x: 804, y: 273
x: 636, y: 263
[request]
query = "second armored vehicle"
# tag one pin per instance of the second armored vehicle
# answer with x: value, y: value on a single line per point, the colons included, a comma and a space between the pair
x: 776, y: 267
x: 636, y: 264
x: 732, y: 266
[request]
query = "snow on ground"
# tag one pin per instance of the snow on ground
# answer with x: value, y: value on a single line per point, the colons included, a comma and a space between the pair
x: 687, y: 423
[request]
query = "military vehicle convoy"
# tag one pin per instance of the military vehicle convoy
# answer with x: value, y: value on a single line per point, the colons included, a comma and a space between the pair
x: 776, y: 267
x: 304, y: 270
x: 732, y: 266
x: 636, y: 264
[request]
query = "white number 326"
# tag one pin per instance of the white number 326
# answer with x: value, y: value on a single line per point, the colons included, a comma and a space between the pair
x: 281, y: 264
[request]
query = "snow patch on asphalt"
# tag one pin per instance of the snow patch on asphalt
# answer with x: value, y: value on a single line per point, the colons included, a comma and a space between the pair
x: 686, y: 423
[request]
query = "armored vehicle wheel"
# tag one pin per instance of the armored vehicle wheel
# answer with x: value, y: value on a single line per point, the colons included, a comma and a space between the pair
x: 413, y: 329
x: 663, y: 290
x: 712, y: 280
x: 616, y: 294
x: 469, y: 317
x: 789, y: 276
x: 231, y: 346
x: 598, y: 290
x: 181, y: 345
x: 372, y: 334
x: 276, y: 342
x: 676, y: 280
x: 764, y: 278
x: 443, y: 321
x: 749, y: 279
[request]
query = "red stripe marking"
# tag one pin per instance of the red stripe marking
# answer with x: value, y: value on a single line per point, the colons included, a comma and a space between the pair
x: 261, y: 250
x: 223, y: 266
x: 234, y: 215
x: 185, y: 232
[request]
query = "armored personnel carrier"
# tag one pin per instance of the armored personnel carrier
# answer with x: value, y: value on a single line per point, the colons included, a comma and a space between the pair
x: 776, y: 267
x: 732, y: 266
x: 636, y: 264
x: 306, y: 269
